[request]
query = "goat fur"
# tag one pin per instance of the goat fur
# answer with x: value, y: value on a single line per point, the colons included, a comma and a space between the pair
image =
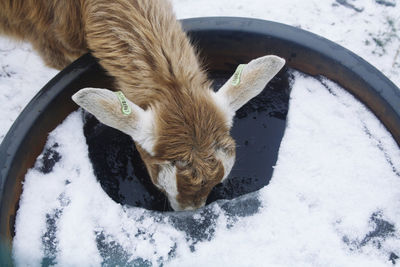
x: 181, y: 127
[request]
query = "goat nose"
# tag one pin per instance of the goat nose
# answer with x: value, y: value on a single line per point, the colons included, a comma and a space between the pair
x: 194, y: 206
x: 189, y: 208
x: 198, y: 205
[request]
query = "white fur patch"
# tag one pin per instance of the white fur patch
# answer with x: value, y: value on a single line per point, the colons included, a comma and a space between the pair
x: 167, y: 181
x: 223, y: 105
x: 145, y: 135
x: 227, y: 162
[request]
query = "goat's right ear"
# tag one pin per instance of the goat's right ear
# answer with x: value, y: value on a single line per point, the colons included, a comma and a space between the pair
x: 114, y: 110
x: 247, y: 82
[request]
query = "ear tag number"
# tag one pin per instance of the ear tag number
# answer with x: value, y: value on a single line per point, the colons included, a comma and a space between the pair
x: 125, y: 108
x: 237, y: 74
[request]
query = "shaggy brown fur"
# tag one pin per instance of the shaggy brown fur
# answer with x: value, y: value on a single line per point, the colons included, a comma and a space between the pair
x: 142, y: 45
x: 133, y: 40
x: 54, y: 28
x: 193, y: 150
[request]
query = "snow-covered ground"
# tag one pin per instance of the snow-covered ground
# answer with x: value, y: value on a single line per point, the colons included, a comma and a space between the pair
x: 351, y: 218
x: 338, y: 207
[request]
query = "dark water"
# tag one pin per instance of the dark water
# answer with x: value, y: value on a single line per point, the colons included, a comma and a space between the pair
x: 258, y: 130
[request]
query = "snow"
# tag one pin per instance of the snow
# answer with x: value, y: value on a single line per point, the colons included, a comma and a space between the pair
x: 22, y: 75
x: 335, y: 208
x: 333, y: 199
x: 372, y: 34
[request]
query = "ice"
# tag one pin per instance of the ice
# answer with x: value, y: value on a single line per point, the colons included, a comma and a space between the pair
x: 334, y: 200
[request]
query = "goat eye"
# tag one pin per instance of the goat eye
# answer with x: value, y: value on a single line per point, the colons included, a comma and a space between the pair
x: 221, y: 149
x: 179, y: 164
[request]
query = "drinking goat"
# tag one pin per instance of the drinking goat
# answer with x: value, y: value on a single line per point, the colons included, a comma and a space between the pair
x: 179, y: 124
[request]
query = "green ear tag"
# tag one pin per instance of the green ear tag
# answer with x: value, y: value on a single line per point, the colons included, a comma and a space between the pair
x: 126, y: 109
x: 237, y: 74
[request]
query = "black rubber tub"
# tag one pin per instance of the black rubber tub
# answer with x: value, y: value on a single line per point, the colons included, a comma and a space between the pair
x: 224, y: 43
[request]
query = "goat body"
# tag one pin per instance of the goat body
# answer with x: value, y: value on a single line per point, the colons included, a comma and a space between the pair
x: 180, y: 126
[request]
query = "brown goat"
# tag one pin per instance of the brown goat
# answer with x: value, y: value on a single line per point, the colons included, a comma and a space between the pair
x: 180, y: 126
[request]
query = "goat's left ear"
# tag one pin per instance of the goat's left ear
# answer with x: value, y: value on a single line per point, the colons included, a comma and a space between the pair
x: 115, y: 110
x: 248, y: 81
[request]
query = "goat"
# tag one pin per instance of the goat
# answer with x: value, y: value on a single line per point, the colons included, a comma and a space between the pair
x: 180, y: 126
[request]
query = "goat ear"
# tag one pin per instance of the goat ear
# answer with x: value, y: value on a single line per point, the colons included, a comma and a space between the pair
x: 114, y: 110
x: 249, y: 80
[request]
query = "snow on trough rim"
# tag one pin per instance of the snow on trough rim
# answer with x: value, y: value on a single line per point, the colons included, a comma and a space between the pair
x: 333, y: 201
